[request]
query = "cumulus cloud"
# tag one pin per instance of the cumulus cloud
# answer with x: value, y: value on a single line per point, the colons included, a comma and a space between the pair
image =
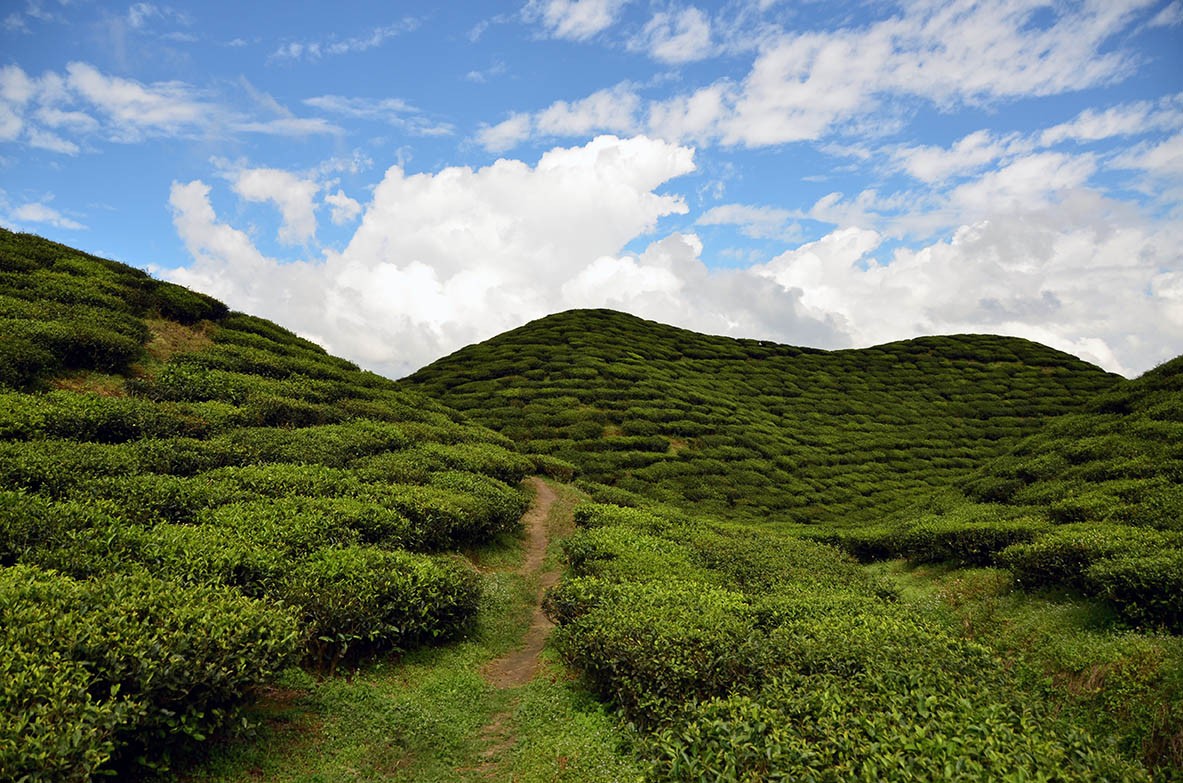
x: 345, y: 209
x: 679, y: 37
x: 292, y: 195
x: 441, y: 260
x: 1123, y: 120
x: 612, y: 110
x: 1077, y: 275
x: 506, y: 134
x: 62, y: 112
x: 805, y: 85
x: 576, y: 20
x: 753, y: 221
x: 43, y: 214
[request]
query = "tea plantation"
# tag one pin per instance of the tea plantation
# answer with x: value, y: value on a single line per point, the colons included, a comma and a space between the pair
x: 950, y: 558
x: 753, y: 430
x: 193, y: 499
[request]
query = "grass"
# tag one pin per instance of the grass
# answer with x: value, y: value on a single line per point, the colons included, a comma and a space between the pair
x: 1122, y: 683
x: 430, y: 716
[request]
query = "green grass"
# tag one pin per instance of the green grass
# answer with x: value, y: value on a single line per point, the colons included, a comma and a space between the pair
x: 1123, y: 684
x: 431, y: 716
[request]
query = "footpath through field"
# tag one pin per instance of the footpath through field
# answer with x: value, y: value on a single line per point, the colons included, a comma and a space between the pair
x: 520, y: 666
x: 489, y: 707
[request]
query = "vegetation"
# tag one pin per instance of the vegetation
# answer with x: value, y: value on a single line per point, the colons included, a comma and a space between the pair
x: 193, y: 499
x: 756, y: 431
x: 946, y: 558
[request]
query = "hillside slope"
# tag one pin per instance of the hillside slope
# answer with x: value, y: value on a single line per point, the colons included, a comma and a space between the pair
x: 192, y: 500
x: 753, y: 429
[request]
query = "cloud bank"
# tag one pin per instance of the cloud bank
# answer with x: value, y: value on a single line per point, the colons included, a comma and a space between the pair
x: 445, y: 259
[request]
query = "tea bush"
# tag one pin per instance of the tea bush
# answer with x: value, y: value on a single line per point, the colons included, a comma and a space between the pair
x: 1147, y: 590
x: 1062, y: 556
x: 162, y: 663
x: 358, y: 599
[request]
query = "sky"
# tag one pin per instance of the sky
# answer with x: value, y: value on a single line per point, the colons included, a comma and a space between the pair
x: 397, y: 180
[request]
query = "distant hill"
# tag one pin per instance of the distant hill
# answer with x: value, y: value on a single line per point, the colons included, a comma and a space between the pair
x: 757, y: 430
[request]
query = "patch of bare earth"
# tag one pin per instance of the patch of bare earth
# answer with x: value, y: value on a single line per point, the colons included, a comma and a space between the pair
x: 520, y: 666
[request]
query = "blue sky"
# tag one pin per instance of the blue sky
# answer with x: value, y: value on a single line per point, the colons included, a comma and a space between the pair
x: 396, y: 180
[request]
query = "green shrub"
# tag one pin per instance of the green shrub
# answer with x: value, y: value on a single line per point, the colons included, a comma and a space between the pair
x: 555, y: 468
x: 1147, y: 590
x: 300, y: 525
x: 29, y: 522
x: 24, y: 363
x: 164, y: 664
x: 1063, y: 556
x: 830, y: 728
x: 185, y: 306
x: 51, y: 727
x: 212, y: 555
x: 56, y: 467
x: 78, y: 345
x: 186, y: 382
x: 660, y: 644
x: 356, y: 600
x: 953, y: 540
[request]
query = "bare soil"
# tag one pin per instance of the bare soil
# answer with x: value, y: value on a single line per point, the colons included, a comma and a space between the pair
x: 520, y: 666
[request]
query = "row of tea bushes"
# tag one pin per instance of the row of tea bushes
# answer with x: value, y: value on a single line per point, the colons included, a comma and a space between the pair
x: 95, y: 673
x: 748, y: 655
x: 288, y: 507
x: 754, y: 431
x: 1093, y: 503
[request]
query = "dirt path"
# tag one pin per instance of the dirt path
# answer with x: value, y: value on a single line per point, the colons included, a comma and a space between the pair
x: 519, y: 666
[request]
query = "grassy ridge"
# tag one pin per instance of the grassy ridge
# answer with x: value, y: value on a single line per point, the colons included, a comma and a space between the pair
x: 754, y: 430
x: 192, y: 499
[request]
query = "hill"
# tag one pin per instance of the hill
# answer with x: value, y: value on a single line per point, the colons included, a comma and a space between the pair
x: 193, y: 499
x: 756, y: 430
x: 1092, y: 502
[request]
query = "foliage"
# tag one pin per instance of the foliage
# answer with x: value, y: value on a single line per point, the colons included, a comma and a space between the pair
x: 238, y: 464
x: 752, y: 430
x: 146, y: 662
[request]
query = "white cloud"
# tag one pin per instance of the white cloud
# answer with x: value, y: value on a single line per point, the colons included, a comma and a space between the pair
x: 969, y: 154
x: 393, y: 111
x: 576, y: 20
x: 135, y: 109
x: 444, y: 259
x: 1164, y: 159
x: 1028, y: 183
x: 807, y: 85
x: 47, y: 140
x: 291, y: 126
x: 756, y: 222
x: 292, y: 195
x: 314, y: 50
x: 1170, y: 16
x: 1070, y: 276
x: 506, y: 134
x: 678, y: 37
x: 613, y: 110
x: 138, y: 14
x: 345, y: 209
x: 42, y: 213
x: 1129, y: 119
